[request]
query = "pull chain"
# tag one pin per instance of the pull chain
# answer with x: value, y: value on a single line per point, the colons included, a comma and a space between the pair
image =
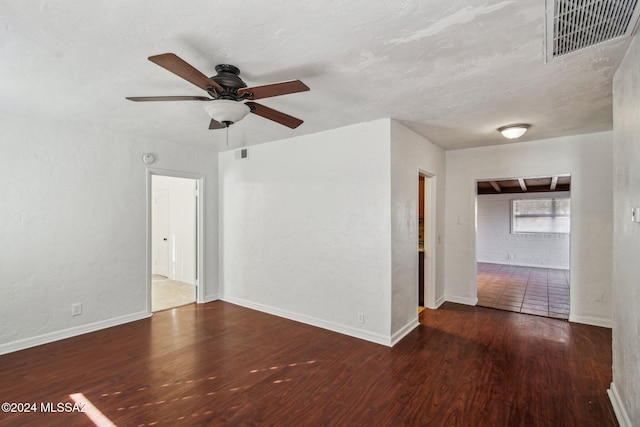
x: 227, y: 135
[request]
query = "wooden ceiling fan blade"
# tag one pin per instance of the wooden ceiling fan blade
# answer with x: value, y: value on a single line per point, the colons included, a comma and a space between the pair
x: 167, y: 98
x: 216, y: 125
x: 275, y: 89
x: 181, y: 68
x: 275, y: 115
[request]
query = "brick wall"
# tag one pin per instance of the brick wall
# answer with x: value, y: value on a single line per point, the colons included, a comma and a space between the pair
x: 496, y: 244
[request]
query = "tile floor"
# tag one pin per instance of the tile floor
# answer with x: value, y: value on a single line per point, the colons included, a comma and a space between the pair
x: 167, y: 293
x: 530, y: 290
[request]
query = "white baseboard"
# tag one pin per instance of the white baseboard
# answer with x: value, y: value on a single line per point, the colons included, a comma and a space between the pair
x: 335, y: 327
x: 618, y: 407
x: 461, y: 300
x: 210, y: 298
x: 439, y: 302
x: 70, y: 332
x: 590, y: 320
x: 404, y: 331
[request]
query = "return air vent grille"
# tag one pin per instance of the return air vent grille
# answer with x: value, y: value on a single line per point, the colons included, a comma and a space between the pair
x: 574, y: 25
x: 242, y: 154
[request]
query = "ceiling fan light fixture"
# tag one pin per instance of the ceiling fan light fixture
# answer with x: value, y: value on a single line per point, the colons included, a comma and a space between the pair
x: 226, y: 111
x: 514, y: 131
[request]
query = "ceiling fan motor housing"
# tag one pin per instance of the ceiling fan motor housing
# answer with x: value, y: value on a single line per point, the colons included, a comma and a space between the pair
x: 228, y: 77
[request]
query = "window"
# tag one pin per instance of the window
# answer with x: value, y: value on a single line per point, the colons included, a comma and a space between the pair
x: 540, y: 216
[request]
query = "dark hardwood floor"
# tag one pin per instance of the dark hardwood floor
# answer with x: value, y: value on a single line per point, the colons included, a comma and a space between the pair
x: 220, y: 364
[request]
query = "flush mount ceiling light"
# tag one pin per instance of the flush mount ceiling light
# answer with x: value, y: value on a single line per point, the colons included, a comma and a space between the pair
x: 514, y: 131
x: 226, y: 111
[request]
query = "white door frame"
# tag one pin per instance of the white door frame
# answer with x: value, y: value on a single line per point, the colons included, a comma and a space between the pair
x: 200, y: 232
x: 430, y: 231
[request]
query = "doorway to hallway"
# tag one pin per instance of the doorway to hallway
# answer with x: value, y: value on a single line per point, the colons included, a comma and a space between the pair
x: 426, y: 250
x: 174, y: 241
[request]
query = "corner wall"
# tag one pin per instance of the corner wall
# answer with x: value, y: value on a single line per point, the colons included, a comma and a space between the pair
x: 588, y: 159
x: 73, y: 227
x: 305, y: 229
x: 625, y: 389
x: 411, y: 155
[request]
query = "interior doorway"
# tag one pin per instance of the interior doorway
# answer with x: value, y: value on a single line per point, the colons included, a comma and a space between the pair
x: 523, y: 235
x: 175, y: 237
x: 426, y: 240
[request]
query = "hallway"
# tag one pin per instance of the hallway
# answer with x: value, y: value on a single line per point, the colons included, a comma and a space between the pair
x: 529, y: 290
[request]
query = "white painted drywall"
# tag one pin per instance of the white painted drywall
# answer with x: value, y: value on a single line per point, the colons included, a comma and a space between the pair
x: 73, y: 226
x: 588, y: 159
x: 626, y: 237
x: 305, y: 229
x: 182, y: 225
x: 495, y: 241
x: 411, y: 155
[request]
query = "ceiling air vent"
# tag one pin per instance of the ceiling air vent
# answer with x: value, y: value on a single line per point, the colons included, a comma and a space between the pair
x: 573, y: 25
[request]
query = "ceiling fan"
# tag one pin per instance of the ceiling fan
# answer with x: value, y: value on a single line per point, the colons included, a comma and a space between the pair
x: 227, y: 93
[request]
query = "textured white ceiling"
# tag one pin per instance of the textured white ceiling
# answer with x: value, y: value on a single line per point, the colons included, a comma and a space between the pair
x: 451, y: 70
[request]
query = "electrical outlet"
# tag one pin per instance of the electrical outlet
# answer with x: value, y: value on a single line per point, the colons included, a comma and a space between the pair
x: 360, y: 317
x: 76, y: 309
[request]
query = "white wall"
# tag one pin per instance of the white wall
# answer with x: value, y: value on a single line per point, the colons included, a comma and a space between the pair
x: 73, y: 226
x: 305, y: 229
x: 588, y: 159
x: 626, y: 236
x: 495, y: 240
x: 411, y: 155
x: 181, y: 226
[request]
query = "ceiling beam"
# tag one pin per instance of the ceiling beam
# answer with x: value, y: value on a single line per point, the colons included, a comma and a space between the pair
x: 554, y: 183
x: 523, y: 186
x: 496, y: 186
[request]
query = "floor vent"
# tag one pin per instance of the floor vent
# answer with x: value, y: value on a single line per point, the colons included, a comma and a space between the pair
x: 573, y: 25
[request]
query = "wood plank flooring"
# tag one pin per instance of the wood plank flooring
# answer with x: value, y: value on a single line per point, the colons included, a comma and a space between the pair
x: 530, y: 290
x: 218, y: 364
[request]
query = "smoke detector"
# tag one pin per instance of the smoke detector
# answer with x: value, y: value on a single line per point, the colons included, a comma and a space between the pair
x: 574, y: 25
